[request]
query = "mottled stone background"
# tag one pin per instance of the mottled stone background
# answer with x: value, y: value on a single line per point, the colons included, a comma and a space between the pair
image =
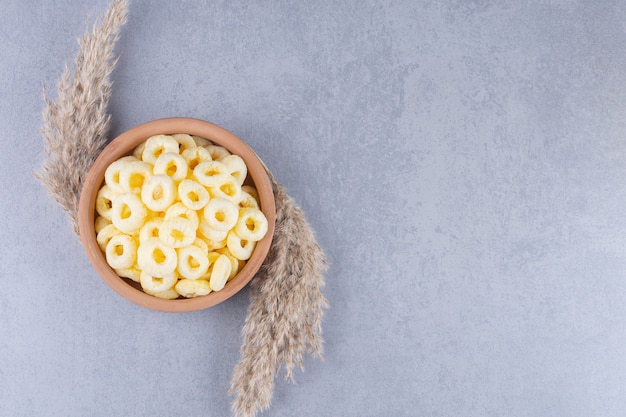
x: 462, y: 162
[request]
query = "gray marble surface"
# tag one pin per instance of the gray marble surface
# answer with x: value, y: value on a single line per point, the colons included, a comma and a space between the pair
x: 463, y: 163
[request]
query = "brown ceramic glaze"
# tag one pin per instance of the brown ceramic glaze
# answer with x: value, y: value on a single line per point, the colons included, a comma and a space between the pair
x: 123, y: 145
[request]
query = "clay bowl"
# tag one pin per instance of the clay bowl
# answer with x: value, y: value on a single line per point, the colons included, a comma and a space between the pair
x: 123, y: 145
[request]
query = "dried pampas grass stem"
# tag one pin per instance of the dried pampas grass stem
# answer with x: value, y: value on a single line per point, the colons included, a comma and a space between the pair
x: 284, y: 319
x: 76, y: 124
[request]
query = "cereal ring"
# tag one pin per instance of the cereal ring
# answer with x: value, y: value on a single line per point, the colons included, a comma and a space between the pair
x: 128, y: 213
x: 194, y: 156
x: 169, y: 294
x: 171, y: 164
x: 104, y: 201
x: 247, y: 201
x: 193, y: 262
x: 133, y: 175
x: 234, y: 262
x: 221, y: 214
x: 184, y: 142
x: 192, y: 194
x: 210, y: 173
x: 121, y: 251
x: 100, y: 223
x: 112, y: 176
x: 238, y: 247
x: 150, y: 229
x: 251, y: 224
x: 157, y: 284
x: 236, y: 167
x: 210, y: 233
x: 217, y: 152
x: 228, y: 188
x: 138, y: 151
x: 158, y: 192
x: 157, y: 145
x: 193, y: 288
x: 180, y: 210
x: 201, y: 141
x: 132, y: 273
x: 250, y: 190
x: 156, y: 258
x: 177, y: 232
x: 201, y: 244
x: 220, y: 272
x: 104, y: 236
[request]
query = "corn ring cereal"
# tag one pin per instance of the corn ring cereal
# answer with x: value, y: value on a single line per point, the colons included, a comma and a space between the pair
x: 157, y: 284
x: 221, y: 214
x: 132, y: 273
x: 247, y: 201
x: 133, y: 174
x: 180, y: 210
x: 112, y: 176
x: 220, y: 273
x: 157, y: 145
x: 234, y: 262
x: 104, y: 201
x: 250, y: 190
x: 138, y: 151
x: 158, y: 192
x: 193, y: 262
x: 169, y: 294
x: 238, y: 247
x: 192, y: 194
x: 184, y: 142
x: 217, y: 152
x: 105, y: 234
x: 177, y: 232
x: 193, y: 288
x: 251, y: 224
x: 100, y: 223
x: 194, y: 156
x: 228, y: 188
x: 128, y: 213
x: 150, y: 229
x: 121, y: 251
x: 210, y: 233
x: 200, y: 141
x: 236, y: 167
x: 210, y: 173
x: 156, y: 258
x: 171, y: 164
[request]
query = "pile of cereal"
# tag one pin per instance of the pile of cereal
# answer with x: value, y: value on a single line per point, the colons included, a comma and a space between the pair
x: 176, y: 217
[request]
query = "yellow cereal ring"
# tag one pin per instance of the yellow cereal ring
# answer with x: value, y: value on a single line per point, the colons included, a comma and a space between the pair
x: 177, y: 232
x: 133, y: 273
x: 193, y: 288
x: 157, y: 145
x: 128, y: 213
x: 184, y: 142
x: 193, y: 194
x: 221, y: 214
x: 156, y: 258
x: 150, y: 229
x: 112, y: 176
x: 210, y: 173
x: 169, y: 294
x: 193, y: 262
x: 247, y: 201
x: 220, y: 273
x: 238, y: 247
x: 158, y: 192
x: 228, y: 188
x: 104, y: 201
x: 138, y: 151
x: 210, y: 233
x: 217, y: 152
x: 171, y: 164
x: 105, y: 234
x: 121, y: 251
x: 250, y: 190
x: 100, y: 223
x: 155, y: 284
x: 200, y: 243
x: 180, y: 210
x: 200, y: 141
x: 251, y: 224
x: 133, y: 175
x: 194, y: 156
x: 234, y: 262
x: 236, y: 167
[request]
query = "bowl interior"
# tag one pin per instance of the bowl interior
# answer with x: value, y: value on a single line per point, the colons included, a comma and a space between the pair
x: 123, y: 145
